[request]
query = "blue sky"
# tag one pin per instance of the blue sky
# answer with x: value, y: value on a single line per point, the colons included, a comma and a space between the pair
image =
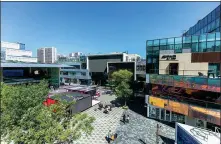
x: 92, y: 27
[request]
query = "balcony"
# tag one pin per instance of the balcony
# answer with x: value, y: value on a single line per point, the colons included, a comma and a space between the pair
x: 187, y: 80
x: 192, y: 108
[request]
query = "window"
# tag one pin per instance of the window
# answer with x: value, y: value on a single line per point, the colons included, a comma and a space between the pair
x: 195, y: 38
x: 171, y: 41
x: 213, y: 25
x: 213, y: 15
x: 156, y: 42
x: 187, y: 39
x: 217, y: 22
x: 170, y: 47
x: 163, y: 47
x: 209, y: 18
x: 150, y: 43
x: 209, y: 27
x: 217, y: 48
x: 178, y: 48
x: 205, y: 29
x: 205, y: 21
x: 218, y: 36
x: 210, y: 46
x: 202, y: 47
x: 178, y: 40
x: 195, y: 47
x: 163, y: 42
x: 211, y: 37
x: 218, y: 11
x: 186, y: 45
x: 202, y: 38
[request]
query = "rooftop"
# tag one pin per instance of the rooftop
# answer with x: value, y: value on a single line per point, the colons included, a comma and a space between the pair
x: 33, y: 65
x: 202, y: 135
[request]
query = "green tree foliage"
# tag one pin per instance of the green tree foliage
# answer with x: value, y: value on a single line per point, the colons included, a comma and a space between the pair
x: 122, y: 79
x: 25, y: 119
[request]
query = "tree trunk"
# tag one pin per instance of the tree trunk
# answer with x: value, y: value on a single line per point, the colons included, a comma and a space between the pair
x: 125, y: 103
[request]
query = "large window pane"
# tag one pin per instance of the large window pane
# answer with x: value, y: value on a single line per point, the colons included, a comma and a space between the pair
x: 218, y: 11
x: 170, y: 47
x: 205, y: 29
x: 210, y: 46
x: 211, y: 37
x: 187, y: 45
x: 178, y: 40
x: 217, y: 22
x: 202, y: 47
x: 202, y: 38
x: 170, y: 41
x: 195, y: 47
x: 156, y: 42
x: 218, y: 36
x: 205, y: 21
x: 187, y: 39
x: 213, y: 15
x: 213, y: 25
x: 217, y: 48
x: 149, y: 50
x: 163, y: 42
x: 163, y: 47
x: 209, y: 27
x: 150, y: 43
x: 178, y: 48
x: 209, y: 18
x: 195, y: 38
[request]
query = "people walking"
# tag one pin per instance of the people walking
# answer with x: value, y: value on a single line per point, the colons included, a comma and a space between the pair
x: 124, y: 118
x: 128, y: 118
x: 109, y: 136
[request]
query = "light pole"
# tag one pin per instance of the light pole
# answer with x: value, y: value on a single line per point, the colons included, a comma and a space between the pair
x: 157, y: 133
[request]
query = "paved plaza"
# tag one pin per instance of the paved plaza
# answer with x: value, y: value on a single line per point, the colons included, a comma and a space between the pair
x: 140, y: 130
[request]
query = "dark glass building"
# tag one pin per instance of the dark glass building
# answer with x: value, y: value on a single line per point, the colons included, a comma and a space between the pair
x: 209, y: 24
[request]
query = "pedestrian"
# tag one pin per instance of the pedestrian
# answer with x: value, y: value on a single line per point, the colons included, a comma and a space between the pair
x: 109, y: 136
x: 128, y: 118
x: 124, y: 118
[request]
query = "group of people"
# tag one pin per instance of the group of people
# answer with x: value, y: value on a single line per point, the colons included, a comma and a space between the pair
x: 110, y: 137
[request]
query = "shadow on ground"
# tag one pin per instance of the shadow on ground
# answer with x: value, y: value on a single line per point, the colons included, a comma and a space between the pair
x: 167, y: 140
x: 137, y: 104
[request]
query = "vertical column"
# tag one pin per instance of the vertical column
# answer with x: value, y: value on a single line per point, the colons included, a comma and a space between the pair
x: 170, y: 116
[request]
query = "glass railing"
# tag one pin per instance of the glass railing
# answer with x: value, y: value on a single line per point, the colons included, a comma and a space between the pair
x: 189, y: 79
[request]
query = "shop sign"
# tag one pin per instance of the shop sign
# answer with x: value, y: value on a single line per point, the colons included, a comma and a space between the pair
x: 169, y: 57
x: 204, y: 116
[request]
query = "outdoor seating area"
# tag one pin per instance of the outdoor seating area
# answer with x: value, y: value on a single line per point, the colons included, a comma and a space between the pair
x: 105, y: 107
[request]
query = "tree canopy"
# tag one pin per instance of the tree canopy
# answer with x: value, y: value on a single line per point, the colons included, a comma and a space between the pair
x: 122, y: 79
x: 24, y: 118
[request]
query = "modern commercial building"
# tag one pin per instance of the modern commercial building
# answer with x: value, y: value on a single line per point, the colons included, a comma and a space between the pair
x: 183, y: 79
x: 208, y: 24
x: 75, y: 54
x: 97, y: 64
x: 16, y: 52
x: 24, y: 73
x: 47, y: 55
x: 74, y: 74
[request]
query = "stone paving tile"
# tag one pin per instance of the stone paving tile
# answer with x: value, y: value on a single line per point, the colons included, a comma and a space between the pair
x: 139, y: 127
x: 142, y: 128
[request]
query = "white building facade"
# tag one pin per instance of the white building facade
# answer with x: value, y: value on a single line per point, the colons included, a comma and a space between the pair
x: 16, y: 52
x: 47, y: 55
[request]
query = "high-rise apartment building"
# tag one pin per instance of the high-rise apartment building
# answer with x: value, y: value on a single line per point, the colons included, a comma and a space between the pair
x: 47, y: 55
x: 16, y: 52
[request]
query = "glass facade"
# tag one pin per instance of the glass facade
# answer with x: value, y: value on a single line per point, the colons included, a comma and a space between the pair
x: 210, y: 23
x: 197, y: 43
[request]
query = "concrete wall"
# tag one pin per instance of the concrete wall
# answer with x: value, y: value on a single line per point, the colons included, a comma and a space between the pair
x: 185, y: 66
